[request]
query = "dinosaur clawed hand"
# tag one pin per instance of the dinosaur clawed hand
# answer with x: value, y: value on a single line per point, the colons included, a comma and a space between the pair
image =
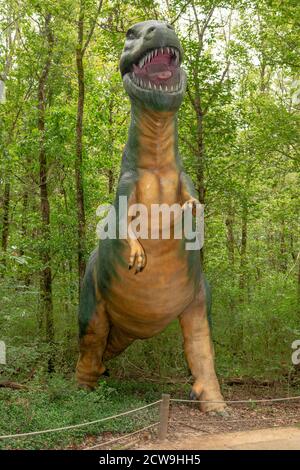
x: 137, y: 256
x: 191, y: 204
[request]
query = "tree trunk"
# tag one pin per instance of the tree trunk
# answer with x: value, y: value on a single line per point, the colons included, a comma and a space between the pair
x: 244, y: 247
x: 46, y: 275
x: 80, y: 51
x: 5, y: 226
x: 200, y: 160
x: 111, y: 143
x: 230, y: 234
x: 283, y: 249
x: 78, y: 161
x: 24, y: 221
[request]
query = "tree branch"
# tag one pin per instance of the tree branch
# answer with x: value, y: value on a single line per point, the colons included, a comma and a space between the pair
x: 92, y: 28
x: 212, y: 96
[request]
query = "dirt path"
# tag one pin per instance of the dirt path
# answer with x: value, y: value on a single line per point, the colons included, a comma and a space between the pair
x: 268, y: 426
x: 262, y: 439
x: 265, y: 427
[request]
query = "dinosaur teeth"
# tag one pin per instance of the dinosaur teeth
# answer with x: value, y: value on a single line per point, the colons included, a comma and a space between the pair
x: 154, y: 86
x: 149, y: 84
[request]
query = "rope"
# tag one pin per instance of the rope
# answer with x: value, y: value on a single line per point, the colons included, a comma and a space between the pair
x: 34, y: 433
x: 250, y: 401
x: 125, y: 413
x: 122, y: 437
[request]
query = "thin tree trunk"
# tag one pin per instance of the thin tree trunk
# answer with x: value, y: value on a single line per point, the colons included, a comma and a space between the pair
x: 78, y: 161
x: 110, y: 172
x: 200, y: 155
x: 230, y: 248
x: 283, y: 250
x: 230, y: 234
x: 24, y: 220
x: 46, y: 274
x: 80, y: 51
x: 5, y: 226
x: 200, y: 158
x: 244, y: 247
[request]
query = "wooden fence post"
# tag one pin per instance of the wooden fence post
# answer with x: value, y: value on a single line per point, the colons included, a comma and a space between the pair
x: 164, y: 416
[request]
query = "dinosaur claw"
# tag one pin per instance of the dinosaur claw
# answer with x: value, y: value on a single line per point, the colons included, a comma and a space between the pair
x: 193, y: 395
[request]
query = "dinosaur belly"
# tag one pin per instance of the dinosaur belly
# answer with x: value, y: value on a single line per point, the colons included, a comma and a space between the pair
x: 142, y: 305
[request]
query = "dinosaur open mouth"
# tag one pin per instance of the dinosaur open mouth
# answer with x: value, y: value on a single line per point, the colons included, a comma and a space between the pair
x: 158, y: 69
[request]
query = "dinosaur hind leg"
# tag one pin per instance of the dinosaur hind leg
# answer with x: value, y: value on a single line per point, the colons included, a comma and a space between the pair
x: 92, y: 345
x: 94, y: 329
x: 199, y: 354
x: 117, y: 342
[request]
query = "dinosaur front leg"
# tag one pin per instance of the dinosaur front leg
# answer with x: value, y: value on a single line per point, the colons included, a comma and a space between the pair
x: 199, y: 354
x: 92, y: 345
x: 137, y: 255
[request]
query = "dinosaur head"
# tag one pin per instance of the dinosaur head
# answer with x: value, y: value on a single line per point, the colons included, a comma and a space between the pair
x: 151, y: 66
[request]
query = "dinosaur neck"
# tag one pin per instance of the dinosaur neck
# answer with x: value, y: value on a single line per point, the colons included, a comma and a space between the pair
x: 153, y: 136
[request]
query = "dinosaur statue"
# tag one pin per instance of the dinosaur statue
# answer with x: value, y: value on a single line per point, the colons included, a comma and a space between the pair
x: 164, y: 281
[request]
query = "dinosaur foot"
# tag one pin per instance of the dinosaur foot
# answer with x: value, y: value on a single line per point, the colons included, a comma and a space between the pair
x: 213, y: 403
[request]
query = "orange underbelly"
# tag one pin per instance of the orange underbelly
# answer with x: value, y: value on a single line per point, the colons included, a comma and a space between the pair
x: 143, y: 304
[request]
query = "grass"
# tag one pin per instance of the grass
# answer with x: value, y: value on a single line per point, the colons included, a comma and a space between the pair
x: 57, y: 403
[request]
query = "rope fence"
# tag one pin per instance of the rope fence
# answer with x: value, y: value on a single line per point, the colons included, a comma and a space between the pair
x: 162, y: 424
x: 74, y: 426
x: 250, y: 401
x: 111, y: 441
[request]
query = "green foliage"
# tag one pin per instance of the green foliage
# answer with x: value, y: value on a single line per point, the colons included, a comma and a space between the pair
x: 56, y: 403
x: 242, y: 74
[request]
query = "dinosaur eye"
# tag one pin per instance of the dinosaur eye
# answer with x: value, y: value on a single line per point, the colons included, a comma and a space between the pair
x: 130, y: 34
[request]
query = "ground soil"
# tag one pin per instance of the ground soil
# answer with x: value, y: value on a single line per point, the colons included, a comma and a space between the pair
x: 187, y: 424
